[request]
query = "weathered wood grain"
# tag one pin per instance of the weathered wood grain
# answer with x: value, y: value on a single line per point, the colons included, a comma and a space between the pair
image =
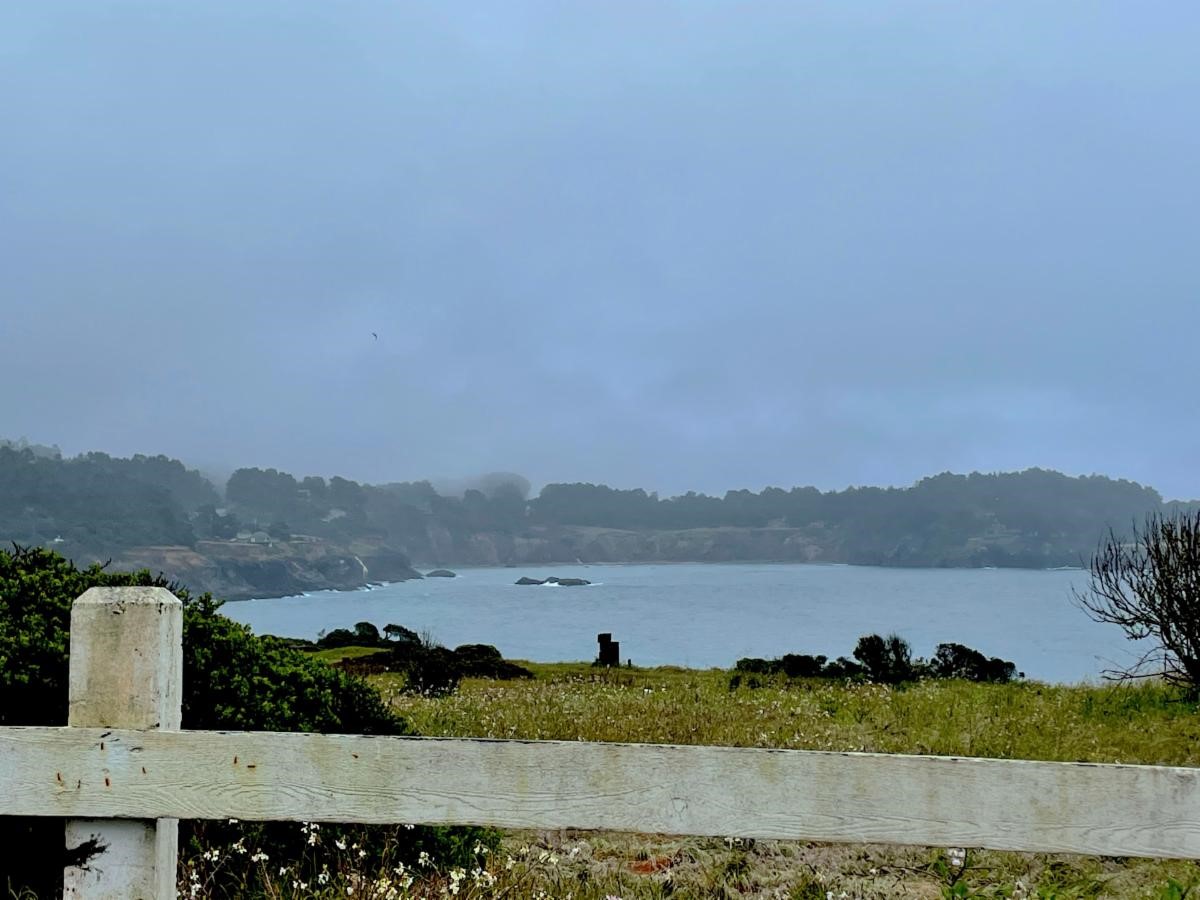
x: 1114, y: 810
x: 126, y: 670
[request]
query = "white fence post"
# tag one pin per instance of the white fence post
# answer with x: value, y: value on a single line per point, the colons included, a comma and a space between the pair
x: 126, y: 671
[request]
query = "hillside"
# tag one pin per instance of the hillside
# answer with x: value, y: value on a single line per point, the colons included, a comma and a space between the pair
x: 240, y: 570
x: 270, y: 533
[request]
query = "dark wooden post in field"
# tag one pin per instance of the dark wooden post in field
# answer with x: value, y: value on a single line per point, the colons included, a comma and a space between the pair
x: 610, y: 650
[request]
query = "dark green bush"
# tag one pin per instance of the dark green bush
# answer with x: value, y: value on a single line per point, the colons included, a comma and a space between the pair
x: 796, y: 665
x: 232, y: 680
x: 429, y: 668
x: 884, y: 660
x: 957, y: 661
x: 756, y: 665
x: 367, y: 634
x: 400, y: 634
x: 339, y: 637
x: 485, y: 661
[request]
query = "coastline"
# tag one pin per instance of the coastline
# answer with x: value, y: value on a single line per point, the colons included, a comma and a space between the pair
x: 564, y: 566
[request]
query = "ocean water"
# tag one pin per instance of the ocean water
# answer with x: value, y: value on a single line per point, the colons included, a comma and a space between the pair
x: 709, y: 615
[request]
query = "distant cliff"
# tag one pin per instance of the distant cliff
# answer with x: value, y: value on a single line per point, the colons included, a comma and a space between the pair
x: 236, y: 570
x: 243, y: 569
x: 239, y: 569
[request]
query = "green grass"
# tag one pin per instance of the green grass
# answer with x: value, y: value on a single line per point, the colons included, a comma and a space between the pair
x: 339, y: 653
x: 1144, y: 723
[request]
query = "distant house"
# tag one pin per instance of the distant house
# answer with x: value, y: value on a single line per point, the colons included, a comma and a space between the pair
x: 260, y: 537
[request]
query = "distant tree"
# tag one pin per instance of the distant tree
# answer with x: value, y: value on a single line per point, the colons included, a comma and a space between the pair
x: 755, y: 665
x: 1150, y: 586
x: 367, y: 634
x: 339, y: 637
x: 957, y: 661
x: 281, y: 531
x: 265, y: 492
x: 401, y: 634
x: 495, y: 483
x: 345, y: 494
x: 96, y: 504
x: 801, y: 665
x: 507, y: 505
x: 887, y: 660
x: 318, y: 490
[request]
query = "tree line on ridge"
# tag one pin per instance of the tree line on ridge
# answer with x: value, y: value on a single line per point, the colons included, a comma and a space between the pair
x: 95, y: 504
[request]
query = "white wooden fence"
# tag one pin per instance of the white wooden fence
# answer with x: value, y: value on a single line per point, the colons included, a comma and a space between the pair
x: 122, y: 772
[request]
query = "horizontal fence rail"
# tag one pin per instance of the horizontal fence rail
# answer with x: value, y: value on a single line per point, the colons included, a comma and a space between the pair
x: 1113, y: 810
x: 122, y: 774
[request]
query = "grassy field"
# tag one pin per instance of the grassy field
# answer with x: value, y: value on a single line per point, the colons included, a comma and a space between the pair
x: 1147, y: 723
x: 337, y: 654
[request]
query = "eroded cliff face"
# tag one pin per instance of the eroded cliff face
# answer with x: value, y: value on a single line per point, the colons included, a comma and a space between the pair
x: 235, y: 570
x: 240, y: 570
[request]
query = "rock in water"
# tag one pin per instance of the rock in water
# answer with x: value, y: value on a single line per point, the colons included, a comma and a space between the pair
x: 561, y: 582
x: 441, y: 573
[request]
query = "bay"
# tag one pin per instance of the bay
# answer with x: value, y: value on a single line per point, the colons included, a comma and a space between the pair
x: 710, y: 615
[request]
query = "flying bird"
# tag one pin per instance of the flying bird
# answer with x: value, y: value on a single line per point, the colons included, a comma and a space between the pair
x: 374, y: 335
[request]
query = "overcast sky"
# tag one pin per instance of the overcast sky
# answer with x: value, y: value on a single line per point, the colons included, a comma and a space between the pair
x: 677, y: 245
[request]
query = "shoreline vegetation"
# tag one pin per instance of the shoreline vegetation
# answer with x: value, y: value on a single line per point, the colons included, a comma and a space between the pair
x: 267, y: 533
x: 428, y: 668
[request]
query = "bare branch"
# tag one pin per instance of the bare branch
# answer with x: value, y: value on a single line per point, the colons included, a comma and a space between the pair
x: 1150, y: 587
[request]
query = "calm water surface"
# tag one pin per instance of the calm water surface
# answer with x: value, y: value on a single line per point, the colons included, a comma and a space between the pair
x: 702, y: 615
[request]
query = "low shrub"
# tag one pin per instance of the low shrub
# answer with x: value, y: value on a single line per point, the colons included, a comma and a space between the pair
x: 883, y: 660
x: 429, y: 668
x: 957, y: 661
x: 233, y: 680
